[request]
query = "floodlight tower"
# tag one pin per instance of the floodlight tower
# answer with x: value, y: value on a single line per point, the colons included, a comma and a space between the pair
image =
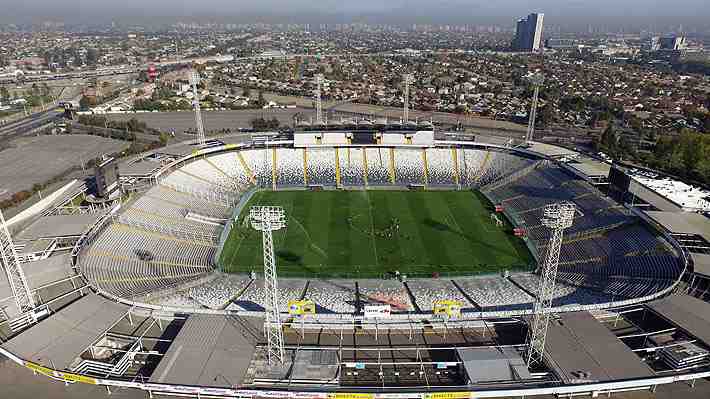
x: 319, y: 101
x: 13, y: 269
x: 557, y: 217
x: 194, y: 80
x: 408, y: 79
x: 268, y: 219
x: 536, y: 80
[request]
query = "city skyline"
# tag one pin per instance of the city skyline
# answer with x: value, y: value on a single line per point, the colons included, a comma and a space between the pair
x: 631, y: 14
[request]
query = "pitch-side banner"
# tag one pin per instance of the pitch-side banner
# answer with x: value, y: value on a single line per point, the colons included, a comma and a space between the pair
x: 377, y: 311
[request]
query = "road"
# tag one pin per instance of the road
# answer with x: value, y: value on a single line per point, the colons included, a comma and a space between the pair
x: 24, y: 126
x: 212, y: 120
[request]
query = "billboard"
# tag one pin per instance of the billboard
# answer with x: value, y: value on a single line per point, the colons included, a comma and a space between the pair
x: 106, y: 177
x: 447, y: 308
x: 619, y: 180
x: 377, y: 311
x: 301, y: 307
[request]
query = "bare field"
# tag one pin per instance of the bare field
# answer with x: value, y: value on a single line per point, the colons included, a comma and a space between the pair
x: 34, y: 160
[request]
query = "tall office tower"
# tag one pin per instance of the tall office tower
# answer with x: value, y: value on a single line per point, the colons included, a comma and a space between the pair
x: 528, y: 33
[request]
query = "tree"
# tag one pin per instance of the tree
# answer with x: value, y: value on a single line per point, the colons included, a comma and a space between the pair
x: 608, y: 141
x: 274, y: 123
x: 4, y: 94
x: 92, y: 56
x: 164, y: 137
x: 84, y: 103
x: 546, y: 116
x: 702, y: 169
x: 261, y: 101
x: 461, y: 109
x: 676, y: 161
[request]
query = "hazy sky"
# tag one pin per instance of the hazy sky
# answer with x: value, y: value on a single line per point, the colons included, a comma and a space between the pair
x: 435, y: 11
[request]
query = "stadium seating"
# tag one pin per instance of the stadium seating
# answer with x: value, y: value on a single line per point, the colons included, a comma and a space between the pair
x: 254, y: 297
x: 426, y: 292
x: 605, y: 241
x: 351, y: 167
x: 409, y: 166
x: 289, y: 172
x: 332, y: 296
x: 378, y: 166
x: 130, y: 262
x: 155, y: 244
x: 492, y: 293
x: 440, y: 163
x: 321, y: 166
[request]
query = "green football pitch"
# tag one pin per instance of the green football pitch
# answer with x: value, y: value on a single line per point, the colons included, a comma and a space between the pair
x: 371, y: 233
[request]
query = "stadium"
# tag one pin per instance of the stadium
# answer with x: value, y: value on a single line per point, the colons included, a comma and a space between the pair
x: 408, y: 264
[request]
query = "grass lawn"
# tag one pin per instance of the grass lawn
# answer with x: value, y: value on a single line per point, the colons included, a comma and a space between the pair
x: 370, y: 233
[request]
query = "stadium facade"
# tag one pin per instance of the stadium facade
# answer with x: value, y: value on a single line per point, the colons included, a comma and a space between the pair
x: 139, y: 300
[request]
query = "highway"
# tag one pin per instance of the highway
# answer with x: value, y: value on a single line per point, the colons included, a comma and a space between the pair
x: 26, y: 125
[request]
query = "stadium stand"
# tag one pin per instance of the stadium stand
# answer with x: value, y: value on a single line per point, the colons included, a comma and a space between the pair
x: 320, y: 166
x: 377, y: 166
x: 351, y: 167
x: 290, y: 170
x: 160, y: 249
x: 332, y: 296
x: 607, y: 254
x: 409, y: 166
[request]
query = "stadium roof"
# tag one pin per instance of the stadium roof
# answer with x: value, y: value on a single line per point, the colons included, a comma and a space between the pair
x: 56, y: 341
x: 552, y: 150
x: 59, y: 226
x: 579, y: 342
x: 592, y: 168
x: 689, y: 313
x: 41, y: 272
x: 683, y: 222
x: 701, y: 264
x: 141, y: 168
x: 493, y: 364
x: 208, y: 350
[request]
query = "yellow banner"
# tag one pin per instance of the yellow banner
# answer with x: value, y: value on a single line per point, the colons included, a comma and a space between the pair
x: 301, y: 307
x: 346, y: 395
x: 59, y: 374
x: 39, y: 369
x: 448, y: 395
x: 77, y: 378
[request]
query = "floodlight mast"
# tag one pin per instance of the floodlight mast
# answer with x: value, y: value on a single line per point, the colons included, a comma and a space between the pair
x: 319, y: 101
x: 268, y: 219
x: 194, y: 80
x: 536, y: 81
x: 15, y: 276
x: 557, y: 217
x: 407, y: 79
